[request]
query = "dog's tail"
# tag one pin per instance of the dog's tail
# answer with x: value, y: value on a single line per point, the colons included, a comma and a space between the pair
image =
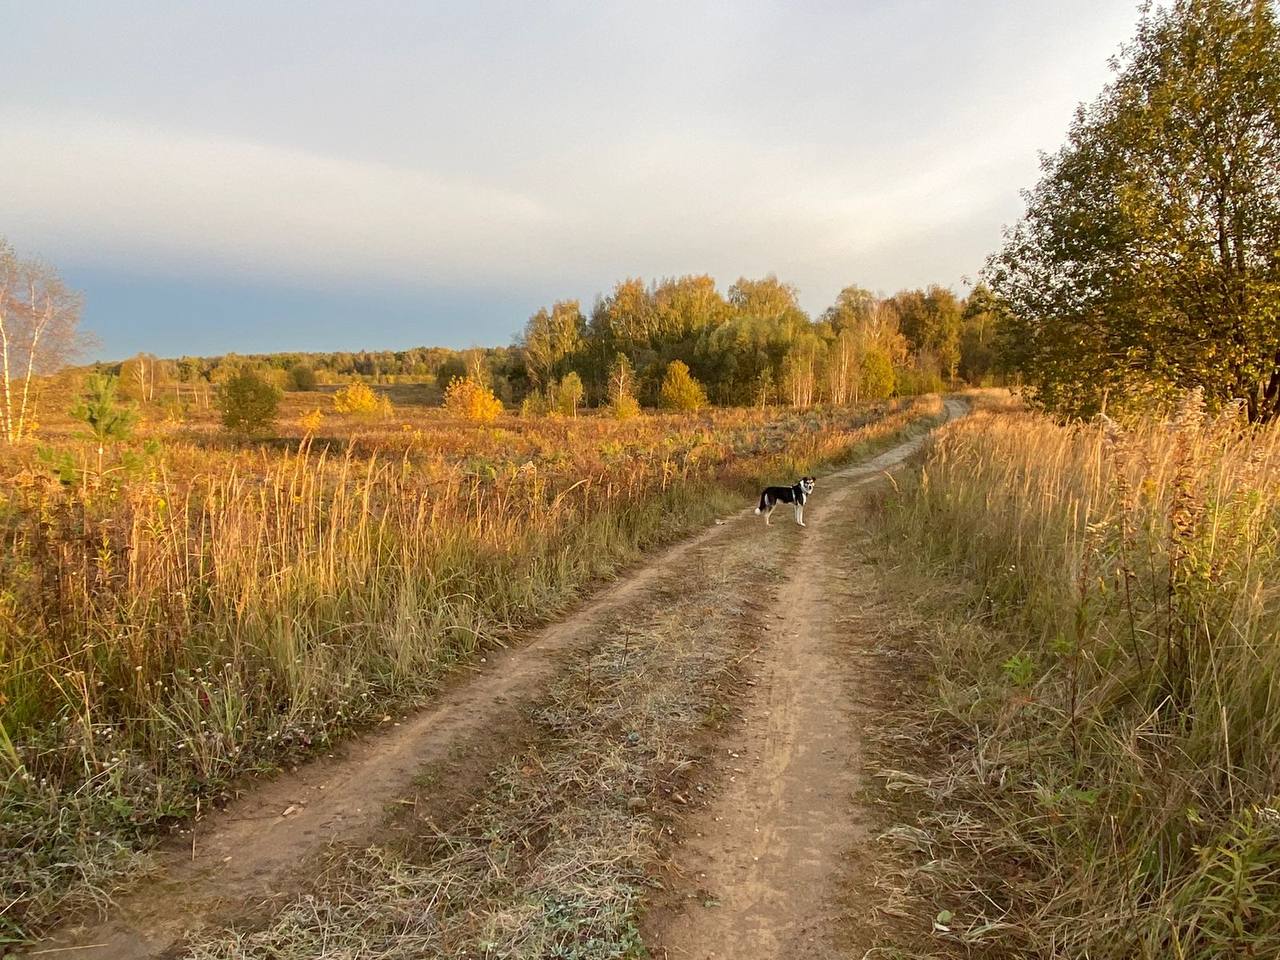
x: 764, y: 503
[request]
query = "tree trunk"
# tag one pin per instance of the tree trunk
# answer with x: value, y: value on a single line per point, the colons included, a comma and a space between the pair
x: 8, y: 395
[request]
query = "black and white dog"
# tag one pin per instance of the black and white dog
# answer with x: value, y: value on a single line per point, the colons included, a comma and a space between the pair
x: 795, y: 495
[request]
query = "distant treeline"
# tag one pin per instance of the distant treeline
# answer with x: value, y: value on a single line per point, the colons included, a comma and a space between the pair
x: 751, y: 345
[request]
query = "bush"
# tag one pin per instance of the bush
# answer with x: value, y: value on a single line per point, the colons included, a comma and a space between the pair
x: 470, y: 399
x: 361, y: 400
x: 301, y: 377
x: 311, y: 420
x: 625, y: 407
x: 680, y: 391
x: 248, y: 404
x: 535, y: 405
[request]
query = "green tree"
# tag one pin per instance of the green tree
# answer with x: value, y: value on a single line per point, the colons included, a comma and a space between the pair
x: 550, y: 338
x: 878, y: 380
x: 108, y: 420
x: 1148, y: 259
x: 680, y: 391
x: 248, y: 403
x: 930, y: 320
x: 567, y: 394
x: 853, y: 309
x: 802, y: 368
x: 979, y: 335
x: 843, y: 369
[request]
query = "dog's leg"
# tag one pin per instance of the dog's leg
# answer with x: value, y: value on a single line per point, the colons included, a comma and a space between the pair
x: 768, y: 513
x: 800, y: 514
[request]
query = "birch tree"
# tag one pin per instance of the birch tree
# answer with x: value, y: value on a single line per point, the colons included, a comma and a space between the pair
x: 39, y: 323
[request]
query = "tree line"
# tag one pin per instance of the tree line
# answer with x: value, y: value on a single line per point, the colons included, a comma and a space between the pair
x: 1147, y: 264
x: 753, y: 344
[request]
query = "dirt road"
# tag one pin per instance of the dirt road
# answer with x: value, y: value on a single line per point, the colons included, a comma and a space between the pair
x: 764, y: 868
x: 767, y: 853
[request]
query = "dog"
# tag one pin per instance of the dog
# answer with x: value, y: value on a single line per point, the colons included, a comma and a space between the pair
x: 795, y: 495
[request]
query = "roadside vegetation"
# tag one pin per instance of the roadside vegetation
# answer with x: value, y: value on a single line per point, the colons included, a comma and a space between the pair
x: 179, y: 613
x: 1108, y: 710
x: 557, y: 854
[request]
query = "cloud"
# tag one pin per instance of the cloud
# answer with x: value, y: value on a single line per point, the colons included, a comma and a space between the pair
x: 100, y: 191
x: 647, y: 202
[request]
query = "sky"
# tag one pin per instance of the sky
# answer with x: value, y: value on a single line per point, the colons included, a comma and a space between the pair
x: 267, y: 176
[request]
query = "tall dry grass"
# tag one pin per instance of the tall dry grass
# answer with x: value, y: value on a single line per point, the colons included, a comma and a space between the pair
x: 198, y: 612
x: 1120, y: 710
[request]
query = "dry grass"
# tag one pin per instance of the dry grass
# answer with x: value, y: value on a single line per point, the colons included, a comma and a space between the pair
x: 554, y: 859
x: 201, y: 611
x: 1108, y: 706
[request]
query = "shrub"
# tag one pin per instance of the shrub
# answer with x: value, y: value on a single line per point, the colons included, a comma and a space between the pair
x: 311, y: 420
x: 248, y: 404
x: 361, y: 400
x: 535, y: 405
x: 472, y: 400
x: 680, y: 391
x: 302, y: 377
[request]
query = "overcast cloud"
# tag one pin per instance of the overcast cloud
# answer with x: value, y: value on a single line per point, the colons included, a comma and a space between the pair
x: 324, y: 175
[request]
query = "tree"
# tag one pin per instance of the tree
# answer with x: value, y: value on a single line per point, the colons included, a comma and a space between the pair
x: 878, y: 380
x: 567, y: 394
x: 844, y: 368
x: 248, y: 403
x: 622, y: 389
x: 138, y: 376
x: 108, y: 420
x: 550, y: 337
x: 39, y: 321
x: 801, y: 367
x: 1147, y: 260
x: 853, y: 309
x: 979, y: 335
x: 930, y: 321
x: 680, y: 391
x: 470, y: 399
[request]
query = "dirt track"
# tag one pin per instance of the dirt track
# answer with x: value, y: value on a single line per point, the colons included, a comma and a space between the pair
x: 769, y: 845
x: 763, y: 870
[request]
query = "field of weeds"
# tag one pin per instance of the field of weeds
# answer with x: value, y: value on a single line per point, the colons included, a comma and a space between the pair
x: 1110, y: 704
x: 189, y: 611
